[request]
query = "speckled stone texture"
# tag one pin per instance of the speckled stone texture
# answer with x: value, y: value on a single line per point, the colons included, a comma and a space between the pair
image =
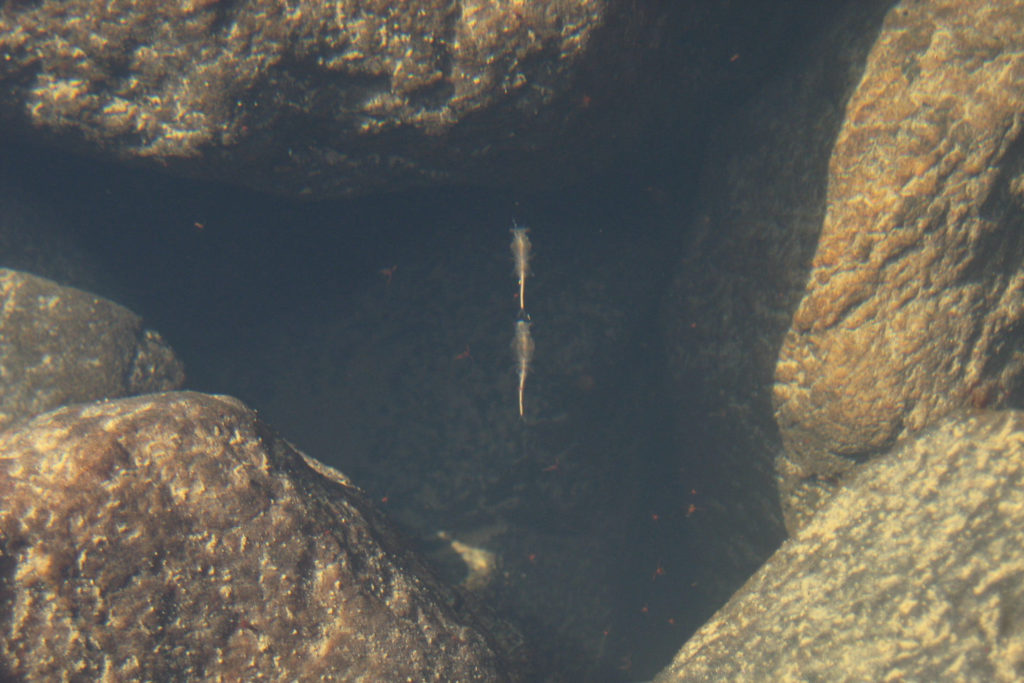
x: 174, y: 81
x: 913, y: 573
x: 914, y: 302
x: 321, y: 99
x: 174, y: 537
x: 60, y: 345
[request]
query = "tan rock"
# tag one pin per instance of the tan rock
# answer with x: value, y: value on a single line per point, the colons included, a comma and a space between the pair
x: 914, y: 302
x: 274, y: 95
x: 913, y: 572
x: 326, y: 99
x: 174, y: 537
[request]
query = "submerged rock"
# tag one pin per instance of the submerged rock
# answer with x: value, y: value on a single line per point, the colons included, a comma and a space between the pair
x: 915, y: 298
x: 60, y: 345
x: 914, y: 572
x: 174, y: 537
x: 318, y: 99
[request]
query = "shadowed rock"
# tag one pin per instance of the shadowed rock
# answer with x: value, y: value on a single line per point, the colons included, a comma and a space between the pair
x: 749, y: 246
x: 60, y: 345
x: 914, y: 572
x: 319, y: 99
x: 915, y: 298
x: 173, y: 537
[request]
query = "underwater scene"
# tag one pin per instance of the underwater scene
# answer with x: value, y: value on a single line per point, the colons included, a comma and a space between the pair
x: 526, y: 341
x: 383, y: 338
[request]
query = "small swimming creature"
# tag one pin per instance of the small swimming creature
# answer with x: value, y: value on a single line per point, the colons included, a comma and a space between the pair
x: 521, y: 256
x: 522, y: 345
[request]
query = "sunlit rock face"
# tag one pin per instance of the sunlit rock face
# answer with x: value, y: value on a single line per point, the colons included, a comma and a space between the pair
x: 913, y: 305
x: 173, y: 536
x: 853, y: 273
x: 913, y: 572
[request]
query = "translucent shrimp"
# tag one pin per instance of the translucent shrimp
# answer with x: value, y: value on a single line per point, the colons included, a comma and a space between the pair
x: 522, y: 345
x: 521, y: 256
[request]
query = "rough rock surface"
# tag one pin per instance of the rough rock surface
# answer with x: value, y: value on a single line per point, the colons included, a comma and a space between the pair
x: 173, y: 537
x: 914, y: 572
x: 915, y: 298
x: 60, y: 345
x: 167, y: 81
x: 323, y: 99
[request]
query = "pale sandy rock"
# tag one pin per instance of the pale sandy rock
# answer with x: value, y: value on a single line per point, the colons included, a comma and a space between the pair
x: 60, y: 345
x: 912, y: 573
x: 914, y: 302
x: 174, y: 537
